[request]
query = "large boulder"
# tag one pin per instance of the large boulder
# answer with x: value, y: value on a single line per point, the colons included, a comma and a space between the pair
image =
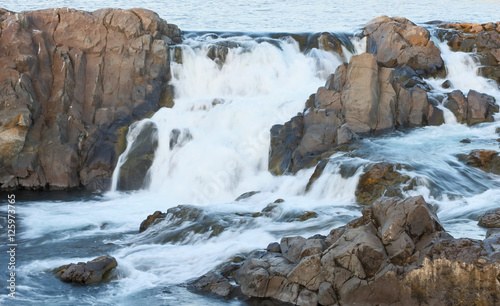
x: 396, y: 253
x: 72, y: 81
x: 398, y: 41
x: 86, y: 273
x: 491, y: 219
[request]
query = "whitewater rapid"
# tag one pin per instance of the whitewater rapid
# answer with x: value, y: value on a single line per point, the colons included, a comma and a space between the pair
x: 224, y: 112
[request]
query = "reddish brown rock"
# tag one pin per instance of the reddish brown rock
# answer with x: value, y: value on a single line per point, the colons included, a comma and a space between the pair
x: 396, y: 253
x: 72, y: 82
x: 486, y: 160
x: 398, y: 41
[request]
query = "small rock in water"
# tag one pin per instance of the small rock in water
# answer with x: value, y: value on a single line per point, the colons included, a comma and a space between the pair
x: 497, y: 130
x: 246, y: 195
x: 466, y: 140
x: 156, y: 217
x: 446, y: 84
x: 87, y: 273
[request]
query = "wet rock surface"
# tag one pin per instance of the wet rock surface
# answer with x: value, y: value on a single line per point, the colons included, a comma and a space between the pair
x: 87, y: 273
x: 482, y: 39
x: 378, y: 92
x: 152, y: 219
x: 133, y: 173
x: 486, y: 160
x: 396, y: 253
x: 72, y: 82
x: 380, y: 179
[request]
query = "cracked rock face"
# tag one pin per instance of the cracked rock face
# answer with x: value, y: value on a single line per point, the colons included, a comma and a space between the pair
x: 72, y: 81
x: 396, y: 253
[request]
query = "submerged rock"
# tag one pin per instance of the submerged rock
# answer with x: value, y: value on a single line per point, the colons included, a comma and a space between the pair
x: 246, y: 195
x: 87, y: 273
x: 72, y: 81
x: 396, y: 253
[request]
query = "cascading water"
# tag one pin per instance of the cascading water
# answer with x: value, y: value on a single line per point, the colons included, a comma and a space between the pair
x: 213, y: 146
x: 222, y: 115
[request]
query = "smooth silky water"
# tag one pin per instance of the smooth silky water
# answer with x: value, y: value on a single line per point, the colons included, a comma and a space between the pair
x: 224, y: 113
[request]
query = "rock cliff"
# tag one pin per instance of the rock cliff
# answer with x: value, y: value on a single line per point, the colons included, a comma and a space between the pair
x: 71, y: 83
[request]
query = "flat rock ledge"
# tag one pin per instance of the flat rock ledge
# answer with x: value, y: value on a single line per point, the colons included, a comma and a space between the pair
x: 87, y: 273
x: 397, y: 253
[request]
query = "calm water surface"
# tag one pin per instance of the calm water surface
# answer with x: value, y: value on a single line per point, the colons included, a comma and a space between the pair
x: 285, y: 15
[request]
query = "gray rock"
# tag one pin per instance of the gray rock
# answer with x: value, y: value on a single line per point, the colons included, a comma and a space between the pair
x: 139, y: 159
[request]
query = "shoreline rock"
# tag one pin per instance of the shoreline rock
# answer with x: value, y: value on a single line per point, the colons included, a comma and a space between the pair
x: 397, y: 252
x: 73, y: 81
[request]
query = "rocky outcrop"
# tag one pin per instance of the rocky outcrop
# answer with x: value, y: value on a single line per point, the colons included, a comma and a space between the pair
x: 398, y: 41
x: 482, y: 39
x: 361, y: 98
x: 396, y: 253
x: 376, y: 92
x: 152, y: 219
x: 87, y: 273
x: 473, y: 109
x: 72, y: 81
